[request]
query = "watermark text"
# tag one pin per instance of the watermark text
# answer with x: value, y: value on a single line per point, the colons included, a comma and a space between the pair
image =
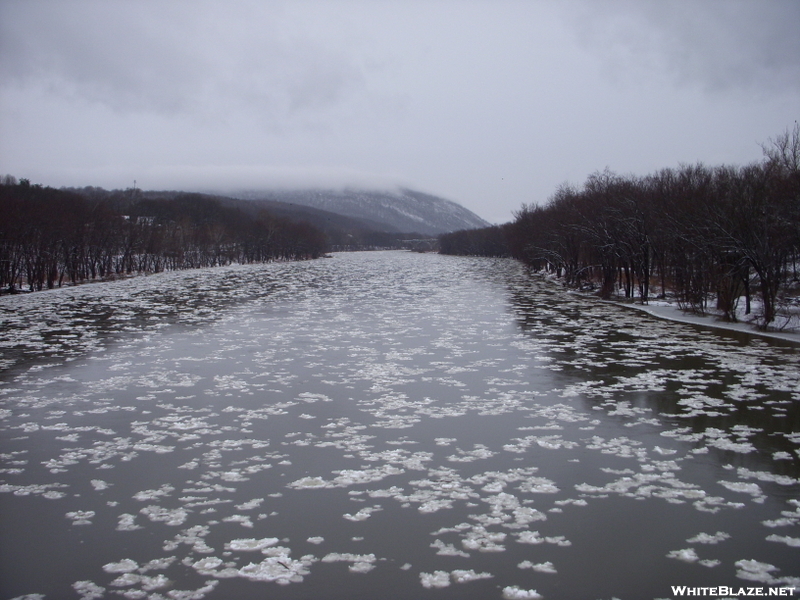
x: 732, y: 592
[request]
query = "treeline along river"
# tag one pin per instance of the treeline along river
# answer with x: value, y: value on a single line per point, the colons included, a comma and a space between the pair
x: 386, y: 425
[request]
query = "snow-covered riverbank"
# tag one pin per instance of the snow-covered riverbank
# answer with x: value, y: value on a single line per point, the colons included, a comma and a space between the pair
x: 670, y: 311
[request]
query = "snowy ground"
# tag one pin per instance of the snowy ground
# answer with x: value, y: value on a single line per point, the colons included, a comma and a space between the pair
x: 670, y: 310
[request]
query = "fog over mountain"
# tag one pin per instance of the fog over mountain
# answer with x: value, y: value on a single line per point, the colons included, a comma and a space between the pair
x: 402, y: 210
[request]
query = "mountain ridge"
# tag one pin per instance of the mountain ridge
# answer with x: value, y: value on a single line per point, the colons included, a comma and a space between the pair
x: 402, y: 210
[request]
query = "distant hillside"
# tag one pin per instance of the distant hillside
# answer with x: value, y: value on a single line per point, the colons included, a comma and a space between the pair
x: 342, y: 232
x: 403, y: 210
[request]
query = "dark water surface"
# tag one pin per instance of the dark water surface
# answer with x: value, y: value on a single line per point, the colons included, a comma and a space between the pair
x: 386, y: 425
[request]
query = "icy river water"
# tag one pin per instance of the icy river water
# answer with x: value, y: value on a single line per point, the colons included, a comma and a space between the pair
x: 386, y: 425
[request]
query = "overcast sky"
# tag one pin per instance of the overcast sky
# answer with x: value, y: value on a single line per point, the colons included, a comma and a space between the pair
x: 489, y: 103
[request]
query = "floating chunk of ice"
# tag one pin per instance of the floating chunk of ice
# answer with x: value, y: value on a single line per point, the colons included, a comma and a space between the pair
x: 545, y: 567
x: 163, y: 491
x: 172, y: 517
x: 243, y: 520
x: 726, y: 444
x: 363, y: 514
x: 709, y: 563
x: 81, y: 517
x: 126, y: 523
x: 361, y: 567
x: 686, y: 555
x: 483, y: 541
x: 197, y: 594
x: 207, y: 564
x: 250, y: 544
x: 88, y: 590
x: 124, y: 566
x: 746, y: 473
x: 789, y: 541
x: 362, y: 563
x: 529, y: 537
x: 706, y: 538
x: 753, y: 570
x: 746, y: 488
x: 281, y: 569
x: 461, y: 576
x: 448, y: 549
x: 437, y: 579
x: 148, y: 583
x: 513, y: 592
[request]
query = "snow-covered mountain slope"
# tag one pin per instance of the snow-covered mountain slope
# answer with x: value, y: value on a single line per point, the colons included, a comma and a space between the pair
x: 402, y: 210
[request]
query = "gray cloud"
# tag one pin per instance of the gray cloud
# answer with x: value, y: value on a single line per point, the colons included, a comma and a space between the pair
x: 489, y: 103
x: 175, y: 57
x: 717, y: 44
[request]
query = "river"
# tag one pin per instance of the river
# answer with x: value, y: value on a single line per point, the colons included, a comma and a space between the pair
x: 386, y: 425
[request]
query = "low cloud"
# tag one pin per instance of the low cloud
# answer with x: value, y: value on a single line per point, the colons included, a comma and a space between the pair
x: 720, y: 45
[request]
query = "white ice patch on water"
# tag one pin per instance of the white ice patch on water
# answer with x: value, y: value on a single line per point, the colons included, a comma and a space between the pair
x: 360, y: 563
x: 127, y: 522
x: 208, y: 565
x: 686, y: 555
x: 172, y: 517
x: 448, y: 549
x: 746, y: 473
x: 162, y: 492
x: 545, y: 567
x: 706, y: 538
x: 363, y: 514
x: 242, y: 520
x: 250, y: 544
x: 465, y: 576
x: 81, y: 517
x: 529, y: 537
x: 146, y: 582
x: 88, y: 590
x: 478, y: 538
x: 124, y: 566
x: 785, y: 539
x: 347, y: 478
x: 437, y: 579
x: 745, y: 488
x: 753, y: 570
x: 279, y: 568
x: 255, y: 503
x: 197, y: 594
x: 513, y: 592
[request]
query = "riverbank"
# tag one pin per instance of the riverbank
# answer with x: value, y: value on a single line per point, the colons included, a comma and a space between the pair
x: 789, y: 330
x: 671, y: 312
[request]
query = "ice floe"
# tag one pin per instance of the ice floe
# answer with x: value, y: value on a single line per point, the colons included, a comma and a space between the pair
x: 469, y: 428
x: 513, y: 592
